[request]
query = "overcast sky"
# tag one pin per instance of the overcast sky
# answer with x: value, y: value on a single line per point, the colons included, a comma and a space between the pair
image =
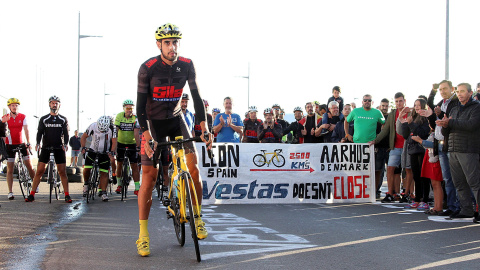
x: 297, y: 50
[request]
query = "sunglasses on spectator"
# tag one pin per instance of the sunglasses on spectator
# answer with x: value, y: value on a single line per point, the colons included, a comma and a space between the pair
x: 367, y: 100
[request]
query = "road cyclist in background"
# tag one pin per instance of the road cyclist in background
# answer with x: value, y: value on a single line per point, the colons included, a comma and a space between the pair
x: 103, y: 146
x: 15, y: 122
x: 128, y: 136
x: 53, y: 133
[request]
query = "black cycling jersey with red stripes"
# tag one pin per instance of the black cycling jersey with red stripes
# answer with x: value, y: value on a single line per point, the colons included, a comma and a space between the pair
x: 250, y: 129
x: 160, y: 88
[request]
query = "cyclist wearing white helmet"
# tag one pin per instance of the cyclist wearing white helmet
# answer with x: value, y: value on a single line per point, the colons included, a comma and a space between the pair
x: 270, y: 131
x: 251, y: 126
x: 128, y: 136
x: 104, y: 141
x: 53, y: 133
x: 294, y: 129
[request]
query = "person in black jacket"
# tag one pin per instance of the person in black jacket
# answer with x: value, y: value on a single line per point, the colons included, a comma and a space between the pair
x: 250, y: 126
x: 295, y: 128
x: 443, y: 108
x: 270, y: 131
x: 416, y: 125
x: 463, y: 130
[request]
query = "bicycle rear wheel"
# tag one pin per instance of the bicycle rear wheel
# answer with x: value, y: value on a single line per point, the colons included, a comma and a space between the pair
x: 191, y: 215
x: 22, y: 180
x: 91, y: 185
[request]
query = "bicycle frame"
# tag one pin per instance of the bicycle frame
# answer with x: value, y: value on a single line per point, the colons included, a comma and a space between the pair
x: 177, y: 181
x: 22, y: 172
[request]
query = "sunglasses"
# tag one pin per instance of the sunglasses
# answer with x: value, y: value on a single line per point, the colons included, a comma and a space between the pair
x: 367, y: 100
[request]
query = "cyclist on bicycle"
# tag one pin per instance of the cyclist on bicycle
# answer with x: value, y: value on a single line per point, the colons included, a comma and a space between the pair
x: 128, y: 137
x: 270, y: 131
x: 15, y: 122
x: 160, y: 86
x: 104, y: 142
x: 53, y: 132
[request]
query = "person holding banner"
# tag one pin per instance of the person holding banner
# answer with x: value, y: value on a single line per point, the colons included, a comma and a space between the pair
x: 270, y: 131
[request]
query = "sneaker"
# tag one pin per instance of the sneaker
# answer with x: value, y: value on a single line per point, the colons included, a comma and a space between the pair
x: 388, y: 198
x: 446, y: 213
x: 68, y: 199
x: 85, y: 191
x: 423, y: 206
x: 10, y: 196
x: 136, y: 192
x: 201, y: 231
x: 404, y: 198
x: 411, y: 206
x: 143, y: 246
x: 119, y: 190
x: 30, y: 198
x: 105, y: 197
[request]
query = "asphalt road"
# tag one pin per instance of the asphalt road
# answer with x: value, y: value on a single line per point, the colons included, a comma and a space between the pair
x: 102, y: 235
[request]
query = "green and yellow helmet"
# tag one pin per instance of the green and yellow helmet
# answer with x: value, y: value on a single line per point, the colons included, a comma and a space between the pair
x: 13, y: 101
x: 168, y: 30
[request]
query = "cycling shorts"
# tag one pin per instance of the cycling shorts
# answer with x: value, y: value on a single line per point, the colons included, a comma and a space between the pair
x: 103, y: 161
x: 11, y: 154
x: 160, y: 129
x: 132, y: 156
x: 59, y: 155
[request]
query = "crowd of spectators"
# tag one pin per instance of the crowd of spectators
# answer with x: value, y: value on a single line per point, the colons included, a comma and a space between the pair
x: 427, y: 146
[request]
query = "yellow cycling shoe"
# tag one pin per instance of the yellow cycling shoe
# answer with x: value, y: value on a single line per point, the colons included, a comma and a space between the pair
x: 201, y: 231
x: 143, y: 246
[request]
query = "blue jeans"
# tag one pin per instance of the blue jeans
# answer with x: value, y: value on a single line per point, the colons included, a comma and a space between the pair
x: 452, y: 197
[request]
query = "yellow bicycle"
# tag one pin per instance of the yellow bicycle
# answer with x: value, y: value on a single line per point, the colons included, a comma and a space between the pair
x: 181, y: 202
x: 261, y: 159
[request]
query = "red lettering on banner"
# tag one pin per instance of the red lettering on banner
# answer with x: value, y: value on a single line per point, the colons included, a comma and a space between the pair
x: 351, y: 188
x: 304, y: 155
x: 359, y: 185
x: 365, y: 195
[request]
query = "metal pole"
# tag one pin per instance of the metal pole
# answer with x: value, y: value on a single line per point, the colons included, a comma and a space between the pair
x: 248, y: 91
x: 447, y: 47
x: 104, y: 97
x: 78, y: 76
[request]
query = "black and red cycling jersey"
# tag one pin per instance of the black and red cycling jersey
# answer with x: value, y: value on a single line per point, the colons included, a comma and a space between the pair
x: 160, y: 89
x: 269, y: 135
x: 250, y: 130
x: 53, y: 129
x: 198, y: 129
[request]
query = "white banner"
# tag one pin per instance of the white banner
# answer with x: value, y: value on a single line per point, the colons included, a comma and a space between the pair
x: 287, y: 173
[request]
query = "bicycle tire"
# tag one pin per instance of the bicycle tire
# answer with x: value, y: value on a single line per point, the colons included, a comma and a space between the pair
x: 191, y: 216
x: 50, y: 180
x: 178, y: 226
x: 279, y: 161
x: 259, y: 160
x: 125, y: 178
x: 57, y: 185
x: 91, y: 186
x: 22, y: 179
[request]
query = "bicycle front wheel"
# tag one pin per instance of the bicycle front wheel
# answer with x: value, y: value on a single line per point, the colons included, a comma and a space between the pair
x: 179, y: 226
x: 190, y: 197
x: 22, y: 180
x: 278, y: 161
x: 50, y: 180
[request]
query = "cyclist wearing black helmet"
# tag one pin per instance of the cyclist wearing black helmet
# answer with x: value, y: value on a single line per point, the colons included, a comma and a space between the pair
x: 160, y: 87
x: 53, y: 132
